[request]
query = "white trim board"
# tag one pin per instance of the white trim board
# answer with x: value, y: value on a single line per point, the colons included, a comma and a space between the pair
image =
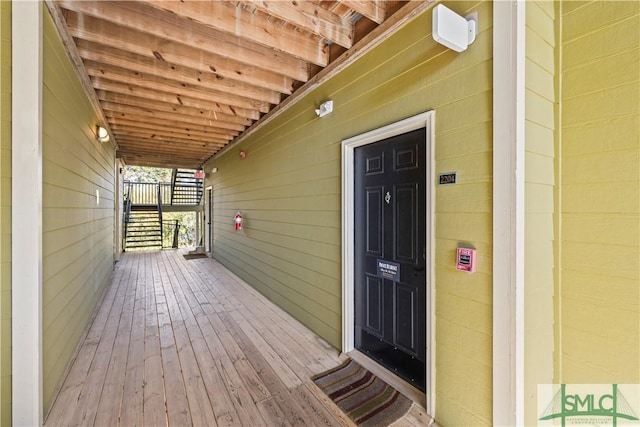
x: 26, y: 213
x: 423, y: 120
x: 508, y: 212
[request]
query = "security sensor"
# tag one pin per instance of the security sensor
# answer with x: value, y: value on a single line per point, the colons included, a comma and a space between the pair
x: 325, y: 108
x: 453, y: 30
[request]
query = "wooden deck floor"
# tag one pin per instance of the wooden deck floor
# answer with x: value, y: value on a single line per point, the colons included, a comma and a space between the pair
x: 178, y: 343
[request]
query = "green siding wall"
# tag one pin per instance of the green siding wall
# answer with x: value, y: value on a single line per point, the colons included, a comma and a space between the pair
x: 599, y: 193
x: 288, y: 189
x: 540, y: 128
x: 78, y: 232
x: 5, y: 213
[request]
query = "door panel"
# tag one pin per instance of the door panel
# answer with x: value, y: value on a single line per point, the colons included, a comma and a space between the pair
x: 375, y: 220
x: 406, y: 307
x: 390, y: 237
x: 406, y: 222
x: 374, y: 305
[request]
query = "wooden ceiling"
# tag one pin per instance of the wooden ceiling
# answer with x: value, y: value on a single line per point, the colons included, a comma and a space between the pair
x: 177, y: 81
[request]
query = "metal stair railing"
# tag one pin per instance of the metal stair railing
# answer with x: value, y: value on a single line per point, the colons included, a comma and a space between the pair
x: 127, y: 218
x: 174, y: 176
x: 159, y: 201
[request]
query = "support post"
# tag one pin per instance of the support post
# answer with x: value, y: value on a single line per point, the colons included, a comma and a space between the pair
x: 508, y: 211
x: 26, y: 211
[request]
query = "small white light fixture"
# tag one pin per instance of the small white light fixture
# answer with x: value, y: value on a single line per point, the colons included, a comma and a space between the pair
x: 101, y: 134
x: 453, y: 30
x: 325, y: 108
x: 214, y: 170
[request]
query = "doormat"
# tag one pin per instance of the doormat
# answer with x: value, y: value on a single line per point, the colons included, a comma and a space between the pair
x: 195, y: 256
x: 365, y: 398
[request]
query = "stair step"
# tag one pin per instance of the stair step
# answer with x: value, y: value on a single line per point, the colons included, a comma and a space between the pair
x: 143, y: 233
x: 187, y: 189
x: 144, y: 229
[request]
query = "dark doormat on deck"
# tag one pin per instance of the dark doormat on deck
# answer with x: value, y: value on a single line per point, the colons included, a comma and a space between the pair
x: 195, y: 255
x: 365, y: 398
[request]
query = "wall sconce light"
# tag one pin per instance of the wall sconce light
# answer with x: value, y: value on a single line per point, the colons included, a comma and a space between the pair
x: 453, y: 30
x: 214, y: 170
x: 101, y: 134
x: 325, y: 108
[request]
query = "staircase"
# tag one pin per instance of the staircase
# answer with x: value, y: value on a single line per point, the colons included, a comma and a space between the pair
x: 143, y: 230
x: 186, y: 188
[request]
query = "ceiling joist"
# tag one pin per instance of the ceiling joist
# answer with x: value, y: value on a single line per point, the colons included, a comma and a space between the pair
x: 170, y: 108
x: 160, y: 84
x: 153, y: 116
x: 229, y: 17
x: 154, y: 67
x: 311, y: 17
x: 134, y: 41
x: 177, y: 81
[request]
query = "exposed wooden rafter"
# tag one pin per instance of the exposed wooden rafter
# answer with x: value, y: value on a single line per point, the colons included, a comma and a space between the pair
x: 178, y: 81
x: 251, y: 26
x: 373, y: 9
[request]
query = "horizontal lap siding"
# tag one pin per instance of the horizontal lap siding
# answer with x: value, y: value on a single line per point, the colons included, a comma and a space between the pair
x: 5, y: 213
x: 78, y: 233
x: 288, y: 189
x: 540, y: 128
x: 600, y: 193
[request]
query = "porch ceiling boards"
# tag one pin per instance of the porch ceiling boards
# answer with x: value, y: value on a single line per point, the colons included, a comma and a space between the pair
x: 177, y: 81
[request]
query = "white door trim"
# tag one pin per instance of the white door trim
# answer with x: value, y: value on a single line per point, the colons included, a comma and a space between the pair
x: 26, y: 213
x: 508, y: 211
x: 424, y: 120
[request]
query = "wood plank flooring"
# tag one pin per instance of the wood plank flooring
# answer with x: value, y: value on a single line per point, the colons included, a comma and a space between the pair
x: 180, y: 343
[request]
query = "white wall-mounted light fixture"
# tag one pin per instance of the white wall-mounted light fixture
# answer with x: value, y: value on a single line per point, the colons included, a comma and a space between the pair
x: 214, y: 170
x: 325, y: 108
x: 101, y: 134
x: 453, y: 30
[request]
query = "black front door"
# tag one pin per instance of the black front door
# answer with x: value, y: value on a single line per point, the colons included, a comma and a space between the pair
x: 390, y: 258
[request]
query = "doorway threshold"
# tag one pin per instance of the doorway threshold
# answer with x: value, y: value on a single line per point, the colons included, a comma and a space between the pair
x: 390, y: 378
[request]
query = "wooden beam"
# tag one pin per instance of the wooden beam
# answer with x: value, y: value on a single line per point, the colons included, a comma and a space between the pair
x: 158, y: 154
x: 258, y: 28
x: 167, y: 147
x: 311, y: 17
x: 172, y: 87
x: 103, y: 32
x: 172, y: 123
x: 201, y: 131
x: 169, y: 153
x: 165, y: 25
x: 111, y: 109
x: 134, y: 129
x: 159, y: 161
x: 155, y: 67
x: 193, y: 159
x: 127, y: 89
x: 396, y: 21
x: 76, y: 60
x: 372, y: 9
x: 175, y: 161
x: 170, y: 108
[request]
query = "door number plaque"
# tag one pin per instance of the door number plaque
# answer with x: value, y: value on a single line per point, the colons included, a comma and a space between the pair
x: 448, y: 178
